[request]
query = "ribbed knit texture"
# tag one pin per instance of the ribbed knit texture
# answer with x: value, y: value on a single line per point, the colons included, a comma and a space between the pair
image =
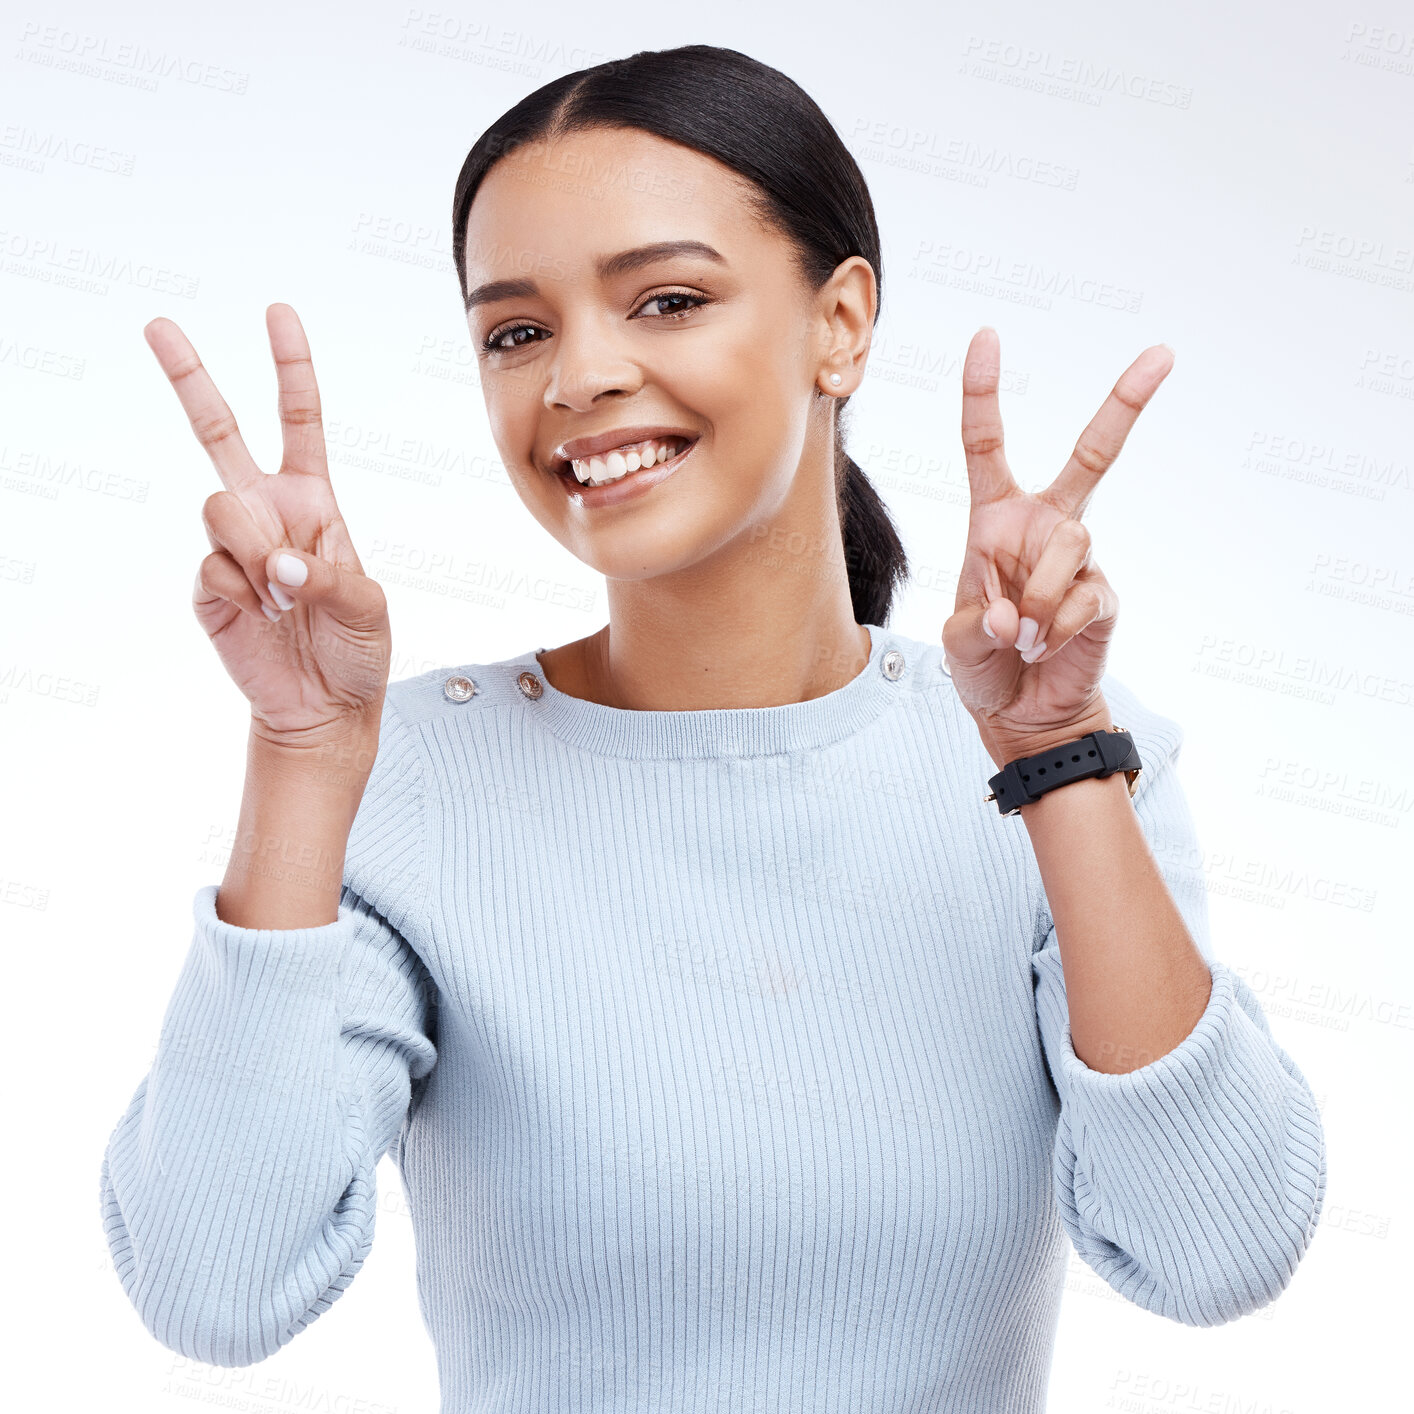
x: 724, y: 1057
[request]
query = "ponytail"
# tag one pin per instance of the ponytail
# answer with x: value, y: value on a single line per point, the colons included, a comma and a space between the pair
x: 873, y: 553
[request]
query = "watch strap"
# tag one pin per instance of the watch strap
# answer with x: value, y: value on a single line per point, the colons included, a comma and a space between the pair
x: 1098, y: 753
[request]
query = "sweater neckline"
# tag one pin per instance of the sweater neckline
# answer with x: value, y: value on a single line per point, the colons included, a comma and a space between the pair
x: 727, y: 731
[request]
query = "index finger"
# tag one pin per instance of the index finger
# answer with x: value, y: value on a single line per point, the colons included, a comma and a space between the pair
x: 982, y: 442
x: 207, y: 411
x: 1102, y: 439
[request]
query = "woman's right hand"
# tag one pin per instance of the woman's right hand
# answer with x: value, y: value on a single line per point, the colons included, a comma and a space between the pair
x: 318, y: 672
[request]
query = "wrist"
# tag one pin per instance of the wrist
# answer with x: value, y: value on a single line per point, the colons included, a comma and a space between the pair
x: 298, y: 809
x: 335, y: 765
x: 1005, y: 746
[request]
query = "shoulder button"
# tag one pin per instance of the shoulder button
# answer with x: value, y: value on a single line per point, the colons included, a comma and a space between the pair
x: 458, y: 688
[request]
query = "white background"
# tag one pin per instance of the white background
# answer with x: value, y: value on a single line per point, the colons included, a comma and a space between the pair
x: 1234, y: 180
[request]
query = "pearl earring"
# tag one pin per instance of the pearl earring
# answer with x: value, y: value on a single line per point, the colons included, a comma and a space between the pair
x: 835, y: 379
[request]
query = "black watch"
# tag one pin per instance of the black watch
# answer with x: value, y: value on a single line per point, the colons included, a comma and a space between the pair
x: 1098, y: 753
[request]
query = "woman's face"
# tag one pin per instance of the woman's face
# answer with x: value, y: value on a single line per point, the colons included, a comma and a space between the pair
x: 727, y: 351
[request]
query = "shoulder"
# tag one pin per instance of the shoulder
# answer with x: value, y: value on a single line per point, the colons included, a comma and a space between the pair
x: 1158, y: 736
x: 1161, y: 734
x: 924, y: 671
x: 408, y: 758
x: 459, y: 690
x: 930, y: 695
x: 387, y: 857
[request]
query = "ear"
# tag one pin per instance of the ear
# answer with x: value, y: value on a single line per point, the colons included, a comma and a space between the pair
x: 847, y: 304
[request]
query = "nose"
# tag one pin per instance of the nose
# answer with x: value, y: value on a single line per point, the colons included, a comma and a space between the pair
x: 586, y: 366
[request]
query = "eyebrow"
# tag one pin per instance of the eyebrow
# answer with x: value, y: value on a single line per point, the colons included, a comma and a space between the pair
x: 608, y: 267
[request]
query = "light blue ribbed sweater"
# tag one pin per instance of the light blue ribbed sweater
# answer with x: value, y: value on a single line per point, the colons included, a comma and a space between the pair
x: 724, y: 1058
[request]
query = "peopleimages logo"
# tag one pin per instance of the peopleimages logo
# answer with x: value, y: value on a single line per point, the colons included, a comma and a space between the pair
x: 961, y: 159
x: 56, y: 262
x: 1020, y: 281
x: 1063, y: 76
x: 491, y: 45
x: 97, y: 56
x: 1378, y: 47
x: 29, y: 149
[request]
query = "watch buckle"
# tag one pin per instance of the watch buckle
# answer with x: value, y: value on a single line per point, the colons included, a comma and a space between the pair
x: 1132, y: 777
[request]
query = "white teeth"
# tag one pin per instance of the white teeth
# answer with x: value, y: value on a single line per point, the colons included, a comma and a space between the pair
x: 598, y: 471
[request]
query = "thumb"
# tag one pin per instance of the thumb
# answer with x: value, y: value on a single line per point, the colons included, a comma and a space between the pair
x: 974, y: 634
x: 294, y: 577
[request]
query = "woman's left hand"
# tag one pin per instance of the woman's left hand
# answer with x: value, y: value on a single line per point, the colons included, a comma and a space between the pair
x: 1028, y: 557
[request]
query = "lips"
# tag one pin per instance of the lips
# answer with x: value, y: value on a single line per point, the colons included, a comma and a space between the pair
x: 597, y: 444
x: 628, y: 487
x: 622, y: 462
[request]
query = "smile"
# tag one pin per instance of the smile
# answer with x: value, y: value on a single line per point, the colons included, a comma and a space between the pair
x: 633, y: 456
x: 625, y: 472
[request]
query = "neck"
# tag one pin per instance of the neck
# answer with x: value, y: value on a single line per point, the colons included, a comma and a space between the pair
x: 668, y: 653
x: 765, y: 620
x: 734, y: 666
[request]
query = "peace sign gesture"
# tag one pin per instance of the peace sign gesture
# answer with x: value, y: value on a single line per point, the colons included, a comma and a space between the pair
x: 282, y: 596
x: 1028, y: 579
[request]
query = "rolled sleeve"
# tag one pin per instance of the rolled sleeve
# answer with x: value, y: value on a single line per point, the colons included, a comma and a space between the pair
x: 1193, y: 1185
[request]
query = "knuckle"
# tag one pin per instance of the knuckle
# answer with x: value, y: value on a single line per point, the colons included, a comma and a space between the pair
x: 1089, y: 603
x: 220, y: 516
x: 984, y: 443
x: 221, y: 565
x: 1125, y: 395
x: 214, y: 429
x: 366, y: 592
x: 184, y: 367
x: 208, y: 574
x: 1091, y: 456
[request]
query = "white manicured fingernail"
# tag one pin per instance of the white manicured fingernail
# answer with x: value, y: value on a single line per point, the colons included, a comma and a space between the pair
x: 1026, y: 635
x: 272, y: 614
x: 986, y: 627
x: 281, y: 599
x: 291, y: 570
x: 1033, y: 653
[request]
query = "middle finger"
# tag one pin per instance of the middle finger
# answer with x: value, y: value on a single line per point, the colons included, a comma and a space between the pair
x: 301, y: 420
x: 1099, y: 444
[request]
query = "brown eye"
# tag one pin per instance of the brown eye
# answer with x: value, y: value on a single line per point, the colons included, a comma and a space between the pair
x: 695, y: 301
x: 491, y: 343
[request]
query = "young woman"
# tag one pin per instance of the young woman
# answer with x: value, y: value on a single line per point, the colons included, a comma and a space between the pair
x: 735, y: 1050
